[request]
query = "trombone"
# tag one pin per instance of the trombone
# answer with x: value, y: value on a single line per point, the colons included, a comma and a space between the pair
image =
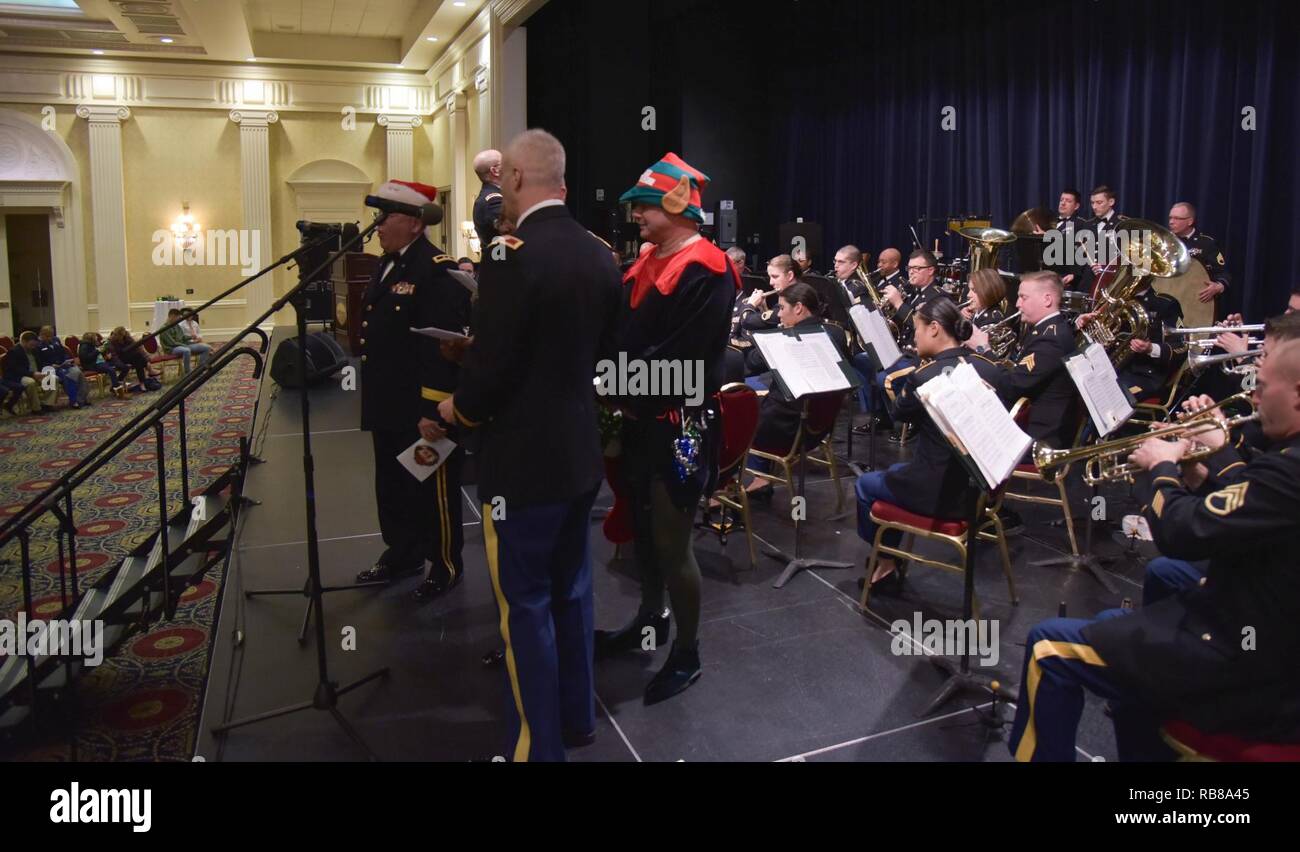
x: 1108, y: 461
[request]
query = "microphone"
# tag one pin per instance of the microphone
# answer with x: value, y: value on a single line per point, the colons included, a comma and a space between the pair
x: 429, y: 214
x: 309, y: 230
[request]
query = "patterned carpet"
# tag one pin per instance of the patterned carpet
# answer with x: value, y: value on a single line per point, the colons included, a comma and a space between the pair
x: 143, y: 703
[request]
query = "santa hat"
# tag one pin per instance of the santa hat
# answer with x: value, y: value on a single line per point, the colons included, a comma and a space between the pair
x: 408, y: 192
x: 671, y: 184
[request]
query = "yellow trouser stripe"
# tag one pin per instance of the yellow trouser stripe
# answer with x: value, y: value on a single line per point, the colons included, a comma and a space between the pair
x: 524, y: 742
x: 1042, y: 649
x: 444, y: 520
x: 435, y: 395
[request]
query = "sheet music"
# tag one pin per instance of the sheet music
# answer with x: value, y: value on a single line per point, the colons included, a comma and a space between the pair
x: 970, y: 414
x: 440, y: 333
x: 874, y: 331
x: 1094, y: 376
x: 809, y: 363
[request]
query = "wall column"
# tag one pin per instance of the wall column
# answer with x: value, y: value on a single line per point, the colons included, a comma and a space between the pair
x: 462, y: 195
x: 108, y: 206
x: 401, y: 156
x: 255, y: 189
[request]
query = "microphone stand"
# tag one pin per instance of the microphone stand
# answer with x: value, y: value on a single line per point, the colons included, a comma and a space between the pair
x: 327, y: 691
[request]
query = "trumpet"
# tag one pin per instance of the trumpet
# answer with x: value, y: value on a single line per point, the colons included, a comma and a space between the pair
x: 1108, y: 461
x: 1198, y: 363
x: 1216, y: 330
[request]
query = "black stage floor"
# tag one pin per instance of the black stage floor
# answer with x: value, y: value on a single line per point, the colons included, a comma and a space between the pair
x: 789, y: 674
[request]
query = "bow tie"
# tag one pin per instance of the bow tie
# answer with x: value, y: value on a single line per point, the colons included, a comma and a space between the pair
x: 385, y: 259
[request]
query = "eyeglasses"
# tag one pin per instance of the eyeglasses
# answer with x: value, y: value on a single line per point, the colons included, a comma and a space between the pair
x: 915, y: 268
x: 1183, y: 218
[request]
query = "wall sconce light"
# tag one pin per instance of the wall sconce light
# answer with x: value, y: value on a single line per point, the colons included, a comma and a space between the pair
x: 185, y: 230
x: 471, y: 237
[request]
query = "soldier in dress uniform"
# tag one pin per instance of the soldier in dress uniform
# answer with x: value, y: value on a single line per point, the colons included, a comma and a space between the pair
x: 1154, y: 359
x: 403, y: 378
x: 1202, y: 247
x: 1069, y: 222
x: 934, y: 482
x: 759, y: 313
x: 548, y: 300
x: 487, y: 207
x: 1036, y: 369
x: 1217, y: 651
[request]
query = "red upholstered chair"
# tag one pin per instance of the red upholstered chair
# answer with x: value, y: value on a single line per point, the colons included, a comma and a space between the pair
x: 7, y: 342
x: 1194, y: 745
x: 163, y: 359
x: 888, y: 516
x: 823, y: 409
x: 1028, y: 472
x: 738, y: 403
x: 1156, y: 408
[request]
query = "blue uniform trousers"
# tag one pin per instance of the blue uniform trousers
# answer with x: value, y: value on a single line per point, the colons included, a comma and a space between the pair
x: 540, y: 564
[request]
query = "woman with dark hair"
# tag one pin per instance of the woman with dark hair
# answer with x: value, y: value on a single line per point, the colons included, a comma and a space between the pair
x: 987, y: 293
x: 934, y: 483
x: 800, y: 307
x: 92, y: 361
x: 123, y: 352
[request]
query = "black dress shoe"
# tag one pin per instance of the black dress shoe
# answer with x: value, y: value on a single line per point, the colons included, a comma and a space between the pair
x: 1012, y: 523
x: 493, y: 658
x: 763, y: 494
x: 579, y: 740
x: 382, y: 572
x: 433, y: 587
x: 681, y: 670
x: 630, y: 636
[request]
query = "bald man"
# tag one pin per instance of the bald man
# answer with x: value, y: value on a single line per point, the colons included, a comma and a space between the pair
x: 1216, y: 651
x: 487, y: 207
x: 891, y: 276
x: 526, y: 388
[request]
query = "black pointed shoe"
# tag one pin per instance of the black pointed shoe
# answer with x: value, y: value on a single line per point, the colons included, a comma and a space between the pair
x: 632, y: 636
x: 382, y: 572
x: 681, y: 670
x: 436, y: 586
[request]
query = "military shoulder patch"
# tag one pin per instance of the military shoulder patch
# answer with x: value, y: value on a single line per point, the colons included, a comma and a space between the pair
x: 1027, y: 362
x: 1228, y: 500
x: 491, y: 195
x: 510, y: 241
x: 443, y: 258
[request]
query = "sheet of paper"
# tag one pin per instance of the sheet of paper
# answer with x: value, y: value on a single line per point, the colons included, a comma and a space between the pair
x: 440, y: 333
x: 874, y: 331
x: 806, y: 364
x: 970, y: 413
x: 423, y: 457
x: 469, y: 282
x: 1094, y: 376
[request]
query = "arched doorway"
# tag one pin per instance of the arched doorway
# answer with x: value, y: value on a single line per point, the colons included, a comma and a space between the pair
x: 39, y: 177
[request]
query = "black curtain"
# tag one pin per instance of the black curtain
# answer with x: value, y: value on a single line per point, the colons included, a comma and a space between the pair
x: 1146, y: 97
x: 833, y: 111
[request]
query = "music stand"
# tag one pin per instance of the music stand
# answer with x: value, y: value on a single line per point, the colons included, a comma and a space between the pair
x: 796, y: 562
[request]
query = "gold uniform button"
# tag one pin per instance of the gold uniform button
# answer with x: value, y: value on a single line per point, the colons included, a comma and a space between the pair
x: 398, y: 308
x: 1202, y: 581
x: 363, y: 341
x: 365, y: 323
x: 370, y: 307
x: 363, y: 359
x: 1205, y: 637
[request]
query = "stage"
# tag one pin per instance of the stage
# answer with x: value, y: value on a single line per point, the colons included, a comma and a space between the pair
x: 789, y: 674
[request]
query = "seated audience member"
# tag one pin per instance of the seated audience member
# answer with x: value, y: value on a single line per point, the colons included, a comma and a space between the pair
x: 21, y: 375
x: 92, y: 361
x: 175, y: 341
x: 52, y: 354
x: 123, y: 352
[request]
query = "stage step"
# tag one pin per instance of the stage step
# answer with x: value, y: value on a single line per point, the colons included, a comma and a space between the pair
x: 128, y: 598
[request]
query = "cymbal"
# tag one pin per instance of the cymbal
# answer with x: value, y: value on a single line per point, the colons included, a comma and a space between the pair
x: 1025, y: 222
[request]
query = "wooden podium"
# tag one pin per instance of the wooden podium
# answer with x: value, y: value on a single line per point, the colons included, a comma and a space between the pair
x: 350, y: 276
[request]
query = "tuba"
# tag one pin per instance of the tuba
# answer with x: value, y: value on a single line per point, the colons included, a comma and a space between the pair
x: 1156, y: 253
x: 985, y: 243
